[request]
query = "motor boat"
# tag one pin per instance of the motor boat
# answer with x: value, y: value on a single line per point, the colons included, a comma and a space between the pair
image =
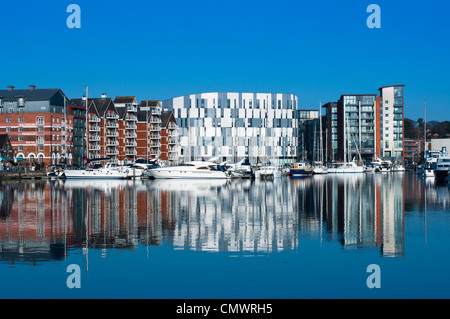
x: 193, y: 169
x: 398, y: 168
x: 349, y: 167
x: 381, y: 166
x: 442, y: 169
x: 96, y: 171
x: 267, y: 172
x: 301, y: 169
x: 132, y: 170
x: 242, y: 169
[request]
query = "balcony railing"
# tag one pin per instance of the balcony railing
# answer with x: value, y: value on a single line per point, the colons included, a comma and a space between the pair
x: 94, y: 119
x: 94, y: 128
x: 112, y: 143
x: 131, y: 135
x: 112, y: 116
x: 172, y: 141
x: 94, y: 147
x: 131, y: 108
x: 131, y: 144
x: 112, y: 134
x: 131, y: 127
x: 112, y: 152
x: 131, y: 118
x: 155, y: 128
x: 94, y: 138
x: 112, y: 125
x: 154, y: 119
x: 155, y: 136
x: 156, y: 111
x: 130, y: 152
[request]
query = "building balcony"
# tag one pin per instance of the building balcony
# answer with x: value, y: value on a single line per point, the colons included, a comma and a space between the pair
x: 173, y: 141
x: 112, y: 116
x: 173, y: 157
x: 131, y: 135
x: 156, y: 111
x: 155, y: 136
x: 94, y: 138
x: 131, y: 152
x: 173, y: 134
x: 112, y: 134
x: 130, y: 127
x: 94, y: 147
x: 131, y: 144
x: 155, y: 120
x: 173, y: 150
x: 112, y: 125
x: 94, y: 128
x: 94, y: 119
x: 155, y: 128
x: 131, y: 118
x: 112, y: 152
x: 172, y: 126
x: 155, y: 145
x: 112, y: 143
x: 155, y: 152
x: 131, y: 108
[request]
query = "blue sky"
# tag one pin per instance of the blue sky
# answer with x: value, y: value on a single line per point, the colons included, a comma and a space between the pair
x: 317, y: 50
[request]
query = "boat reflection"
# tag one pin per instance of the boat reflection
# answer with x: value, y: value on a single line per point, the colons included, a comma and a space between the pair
x: 46, y: 220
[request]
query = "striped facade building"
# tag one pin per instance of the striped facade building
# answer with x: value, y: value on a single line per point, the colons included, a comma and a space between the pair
x: 261, y: 126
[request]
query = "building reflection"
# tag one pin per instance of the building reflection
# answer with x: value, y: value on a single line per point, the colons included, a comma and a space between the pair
x: 45, y: 220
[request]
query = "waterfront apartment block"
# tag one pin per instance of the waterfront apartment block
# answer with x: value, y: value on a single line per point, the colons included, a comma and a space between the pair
x: 127, y: 108
x: 391, y: 109
x: 365, y: 126
x: 38, y: 124
x: 169, y: 138
x: 148, y: 129
x: 261, y: 126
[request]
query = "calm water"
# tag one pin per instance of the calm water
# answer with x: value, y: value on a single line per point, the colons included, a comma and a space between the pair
x: 292, y: 238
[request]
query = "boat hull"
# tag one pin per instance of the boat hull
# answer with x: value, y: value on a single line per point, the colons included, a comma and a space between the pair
x: 93, y: 174
x: 301, y: 172
x: 175, y: 173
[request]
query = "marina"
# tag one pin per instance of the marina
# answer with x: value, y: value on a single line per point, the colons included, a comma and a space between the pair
x: 221, y: 238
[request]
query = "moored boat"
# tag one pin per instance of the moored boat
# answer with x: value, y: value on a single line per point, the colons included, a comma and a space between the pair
x: 301, y: 169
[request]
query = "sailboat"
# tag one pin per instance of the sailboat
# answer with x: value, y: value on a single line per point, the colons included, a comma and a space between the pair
x: 347, y: 167
x: 319, y: 168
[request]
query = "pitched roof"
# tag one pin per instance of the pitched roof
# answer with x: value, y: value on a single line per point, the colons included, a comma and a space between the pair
x: 142, y: 115
x: 145, y: 103
x: 124, y: 99
x: 167, y: 117
x: 30, y: 95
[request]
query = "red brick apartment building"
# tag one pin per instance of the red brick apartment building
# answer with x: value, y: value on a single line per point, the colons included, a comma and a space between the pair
x: 38, y: 124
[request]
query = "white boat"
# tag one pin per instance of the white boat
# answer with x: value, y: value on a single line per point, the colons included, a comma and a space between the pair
x: 267, y: 172
x: 96, y: 171
x: 320, y: 169
x: 242, y: 169
x: 132, y: 170
x: 382, y: 166
x: 442, y: 169
x: 193, y: 169
x: 398, y: 168
x: 350, y: 167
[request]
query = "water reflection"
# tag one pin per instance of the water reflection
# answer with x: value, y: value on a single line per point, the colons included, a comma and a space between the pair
x: 46, y: 220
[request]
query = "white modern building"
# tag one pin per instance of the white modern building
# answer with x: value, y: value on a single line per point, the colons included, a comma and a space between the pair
x: 391, y: 121
x: 261, y: 126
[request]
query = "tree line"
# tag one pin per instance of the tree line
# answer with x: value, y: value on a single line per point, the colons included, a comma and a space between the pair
x: 435, y: 129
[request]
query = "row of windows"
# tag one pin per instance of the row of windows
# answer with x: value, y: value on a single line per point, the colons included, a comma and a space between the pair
x: 203, y: 103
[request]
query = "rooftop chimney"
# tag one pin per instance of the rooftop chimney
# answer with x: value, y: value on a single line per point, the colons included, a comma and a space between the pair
x: 32, y: 87
x: 103, y: 95
x: 10, y: 87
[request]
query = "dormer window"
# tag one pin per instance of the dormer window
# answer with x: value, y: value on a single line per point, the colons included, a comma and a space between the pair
x: 21, y: 102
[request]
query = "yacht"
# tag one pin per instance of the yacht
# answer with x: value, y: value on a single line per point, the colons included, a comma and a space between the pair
x: 267, y: 172
x: 382, y: 166
x: 319, y: 168
x: 350, y: 167
x: 193, y: 169
x: 301, y: 169
x: 442, y: 168
x: 96, y: 171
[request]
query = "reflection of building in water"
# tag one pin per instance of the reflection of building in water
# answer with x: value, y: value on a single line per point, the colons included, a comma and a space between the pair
x: 231, y: 216
x: 43, y: 220
x: 33, y: 223
x: 366, y: 211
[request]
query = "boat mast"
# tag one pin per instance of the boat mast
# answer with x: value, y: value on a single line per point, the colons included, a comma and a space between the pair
x: 424, y: 130
x: 320, y: 140
x: 87, y: 128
